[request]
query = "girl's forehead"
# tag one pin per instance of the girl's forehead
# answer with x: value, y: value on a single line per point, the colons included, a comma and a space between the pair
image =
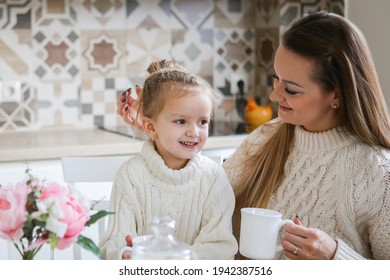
x: 186, y: 91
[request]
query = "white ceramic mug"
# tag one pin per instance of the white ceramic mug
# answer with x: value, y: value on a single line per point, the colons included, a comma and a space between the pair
x: 259, y: 233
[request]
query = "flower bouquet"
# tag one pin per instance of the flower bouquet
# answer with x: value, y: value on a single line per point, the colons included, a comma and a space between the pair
x: 35, y: 212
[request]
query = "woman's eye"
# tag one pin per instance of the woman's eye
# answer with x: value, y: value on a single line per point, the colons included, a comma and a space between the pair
x: 275, y: 80
x: 204, y: 122
x: 291, y: 92
x: 287, y: 90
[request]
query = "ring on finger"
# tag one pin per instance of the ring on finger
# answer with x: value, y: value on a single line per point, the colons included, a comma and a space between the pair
x: 296, y: 250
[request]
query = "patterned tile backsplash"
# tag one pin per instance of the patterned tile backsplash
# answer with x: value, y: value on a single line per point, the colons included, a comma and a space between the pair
x: 64, y: 62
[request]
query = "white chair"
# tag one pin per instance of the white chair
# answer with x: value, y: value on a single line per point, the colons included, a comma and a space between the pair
x: 85, y: 174
x: 91, y: 169
x: 217, y: 159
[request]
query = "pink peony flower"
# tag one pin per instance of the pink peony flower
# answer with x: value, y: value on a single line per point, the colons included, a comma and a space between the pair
x: 74, y: 214
x: 35, y: 212
x: 66, y: 242
x: 13, y: 210
x: 53, y: 189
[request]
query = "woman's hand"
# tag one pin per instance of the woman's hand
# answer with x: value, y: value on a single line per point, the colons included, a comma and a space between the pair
x: 126, y: 255
x: 301, y: 243
x: 129, y: 109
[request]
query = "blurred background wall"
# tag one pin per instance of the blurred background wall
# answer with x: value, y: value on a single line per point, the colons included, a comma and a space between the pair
x: 63, y: 63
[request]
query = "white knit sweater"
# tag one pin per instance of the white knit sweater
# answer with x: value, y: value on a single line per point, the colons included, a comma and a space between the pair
x: 336, y: 183
x: 198, y: 197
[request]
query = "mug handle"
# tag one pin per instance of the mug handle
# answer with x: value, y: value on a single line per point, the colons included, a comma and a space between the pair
x: 282, y: 223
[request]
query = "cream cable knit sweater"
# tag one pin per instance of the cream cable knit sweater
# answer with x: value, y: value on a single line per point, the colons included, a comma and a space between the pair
x: 198, y: 197
x: 336, y: 183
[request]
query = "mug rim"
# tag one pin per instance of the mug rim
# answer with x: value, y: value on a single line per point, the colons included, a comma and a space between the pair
x: 265, y: 212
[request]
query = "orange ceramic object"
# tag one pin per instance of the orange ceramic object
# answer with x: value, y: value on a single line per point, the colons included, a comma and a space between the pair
x: 255, y: 114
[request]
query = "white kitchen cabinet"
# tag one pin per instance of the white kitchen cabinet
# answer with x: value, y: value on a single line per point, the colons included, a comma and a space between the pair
x: 46, y: 169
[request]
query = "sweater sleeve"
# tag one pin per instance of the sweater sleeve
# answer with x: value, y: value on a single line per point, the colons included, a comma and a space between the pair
x: 344, y: 252
x: 372, y: 209
x: 122, y: 221
x: 378, y: 221
x: 215, y: 239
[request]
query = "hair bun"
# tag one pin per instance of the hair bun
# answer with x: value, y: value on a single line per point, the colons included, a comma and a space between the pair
x: 163, y: 65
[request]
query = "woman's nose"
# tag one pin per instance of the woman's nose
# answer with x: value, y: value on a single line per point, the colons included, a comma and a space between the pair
x: 276, y: 95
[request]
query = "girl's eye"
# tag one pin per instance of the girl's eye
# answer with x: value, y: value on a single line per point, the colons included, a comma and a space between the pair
x: 180, y: 121
x: 203, y: 122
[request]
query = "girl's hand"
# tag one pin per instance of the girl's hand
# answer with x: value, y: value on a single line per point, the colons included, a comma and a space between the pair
x: 126, y: 255
x: 128, y: 107
x: 301, y: 243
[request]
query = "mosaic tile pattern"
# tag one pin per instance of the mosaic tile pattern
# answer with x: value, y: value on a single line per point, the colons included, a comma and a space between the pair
x: 192, y: 14
x: 55, y: 13
x: 98, y: 101
x: 104, y: 53
x: 267, y: 41
x: 16, y: 53
x: 148, y: 14
x: 267, y: 13
x: 144, y: 46
x: 234, y: 55
x: 18, y: 115
x: 73, y: 58
x: 194, y: 49
x: 15, y: 15
x: 101, y: 15
x: 294, y: 9
x: 56, y: 54
x: 57, y: 104
x: 237, y: 14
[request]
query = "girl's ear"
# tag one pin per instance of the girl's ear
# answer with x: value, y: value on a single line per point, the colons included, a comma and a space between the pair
x: 148, y: 126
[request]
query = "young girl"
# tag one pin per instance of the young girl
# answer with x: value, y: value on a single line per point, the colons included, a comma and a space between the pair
x: 169, y: 176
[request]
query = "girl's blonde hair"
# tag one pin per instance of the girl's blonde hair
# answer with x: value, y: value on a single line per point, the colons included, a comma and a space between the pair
x: 342, y: 63
x: 168, y: 77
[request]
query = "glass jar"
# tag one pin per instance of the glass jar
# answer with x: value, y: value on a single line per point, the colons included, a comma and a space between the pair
x: 162, y: 245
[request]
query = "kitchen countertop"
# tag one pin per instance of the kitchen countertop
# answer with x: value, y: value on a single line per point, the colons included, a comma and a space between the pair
x: 54, y: 144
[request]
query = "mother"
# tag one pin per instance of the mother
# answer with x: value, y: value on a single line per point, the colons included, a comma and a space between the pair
x: 327, y: 155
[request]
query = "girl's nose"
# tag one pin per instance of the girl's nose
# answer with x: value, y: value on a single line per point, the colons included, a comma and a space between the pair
x: 192, y: 131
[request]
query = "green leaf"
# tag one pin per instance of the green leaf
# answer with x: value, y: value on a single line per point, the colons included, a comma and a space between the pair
x: 28, y: 227
x: 54, y: 240
x: 89, y: 245
x: 95, y: 217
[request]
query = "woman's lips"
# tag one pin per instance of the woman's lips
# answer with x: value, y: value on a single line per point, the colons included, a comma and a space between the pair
x: 284, y: 109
